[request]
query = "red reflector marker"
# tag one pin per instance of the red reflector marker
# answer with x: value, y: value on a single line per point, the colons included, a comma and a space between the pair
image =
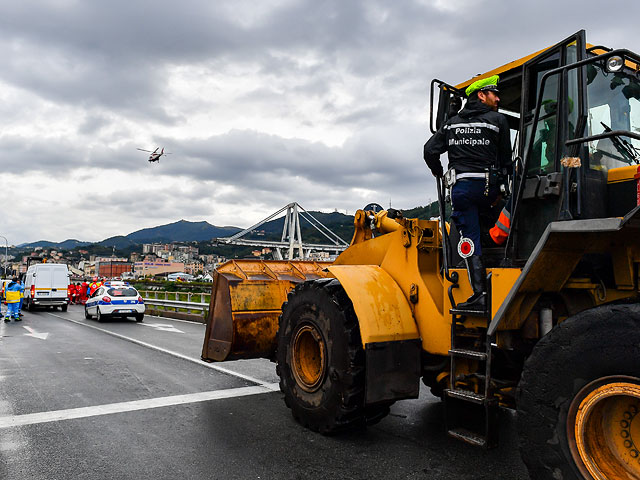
x: 106, y: 299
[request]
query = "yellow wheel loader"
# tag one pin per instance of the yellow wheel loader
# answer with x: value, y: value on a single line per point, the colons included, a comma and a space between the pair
x: 560, y: 340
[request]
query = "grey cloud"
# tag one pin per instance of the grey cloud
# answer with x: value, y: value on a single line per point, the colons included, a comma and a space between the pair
x: 255, y: 161
x: 55, y: 157
x: 115, y: 54
x: 93, y: 123
x: 110, y: 61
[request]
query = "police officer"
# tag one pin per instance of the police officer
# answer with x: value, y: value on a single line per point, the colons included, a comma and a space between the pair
x: 478, y: 145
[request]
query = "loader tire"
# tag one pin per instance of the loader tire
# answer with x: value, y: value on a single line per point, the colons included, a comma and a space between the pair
x: 578, y: 399
x: 321, y: 362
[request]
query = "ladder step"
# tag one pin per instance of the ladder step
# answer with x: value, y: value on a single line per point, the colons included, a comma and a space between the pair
x: 471, y: 354
x: 469, y: 313
x: 468, y: 437
x: 466, y: 396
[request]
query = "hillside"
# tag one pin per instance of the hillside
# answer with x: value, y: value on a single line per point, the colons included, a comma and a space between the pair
x: 181, y: 231
x: 66, y: 245
x: 185, y: 231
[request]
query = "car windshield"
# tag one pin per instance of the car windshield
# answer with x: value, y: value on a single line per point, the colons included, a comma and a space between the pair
x: 614, y: 104
x: 122, y: 292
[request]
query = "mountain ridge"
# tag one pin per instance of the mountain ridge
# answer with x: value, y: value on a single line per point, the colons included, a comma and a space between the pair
x: 180, y: 231
x: 187, y: 231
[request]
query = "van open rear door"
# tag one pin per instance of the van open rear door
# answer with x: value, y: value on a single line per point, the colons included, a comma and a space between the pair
x: 59, y: 278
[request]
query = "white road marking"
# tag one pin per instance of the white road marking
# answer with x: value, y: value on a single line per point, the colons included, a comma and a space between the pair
x: 33, y: 333
x: 132, y: 406
x: 169, y: 352
x: 163, y: 327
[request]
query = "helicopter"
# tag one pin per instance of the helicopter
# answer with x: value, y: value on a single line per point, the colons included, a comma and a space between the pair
x: 155, y: 155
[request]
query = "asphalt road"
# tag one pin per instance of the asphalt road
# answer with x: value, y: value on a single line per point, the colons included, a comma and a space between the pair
x: 123, y: 400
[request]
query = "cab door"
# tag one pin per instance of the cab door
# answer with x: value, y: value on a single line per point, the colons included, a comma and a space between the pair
x: 552, y: 111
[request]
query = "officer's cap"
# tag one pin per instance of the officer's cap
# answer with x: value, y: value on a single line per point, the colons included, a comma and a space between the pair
x: 489, y: 84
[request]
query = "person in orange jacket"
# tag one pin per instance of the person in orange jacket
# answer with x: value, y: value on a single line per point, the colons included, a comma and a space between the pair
x: 82, y: 292
x: 93, y: 286
x: 71, y: 291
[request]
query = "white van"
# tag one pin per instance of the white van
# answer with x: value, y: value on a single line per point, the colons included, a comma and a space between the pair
x: 46, y: 284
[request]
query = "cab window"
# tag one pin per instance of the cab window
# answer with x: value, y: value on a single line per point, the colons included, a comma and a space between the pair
x: 614, y: 104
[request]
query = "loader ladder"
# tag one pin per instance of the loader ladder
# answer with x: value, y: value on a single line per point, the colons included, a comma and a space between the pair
x: 471, y: 414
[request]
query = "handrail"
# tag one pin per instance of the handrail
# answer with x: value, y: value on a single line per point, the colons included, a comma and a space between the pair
x: 440, y: 83
x: 175, y: 305
x: 451, y: 277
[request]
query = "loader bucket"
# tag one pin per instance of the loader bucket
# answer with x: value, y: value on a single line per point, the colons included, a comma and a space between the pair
x: 246, y: 301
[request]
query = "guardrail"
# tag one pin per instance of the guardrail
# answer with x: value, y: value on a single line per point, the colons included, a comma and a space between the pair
x: 174, y: 304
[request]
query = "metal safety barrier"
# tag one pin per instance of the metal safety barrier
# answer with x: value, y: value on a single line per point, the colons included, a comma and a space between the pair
x: 168, y: 305
x: 189, y: 306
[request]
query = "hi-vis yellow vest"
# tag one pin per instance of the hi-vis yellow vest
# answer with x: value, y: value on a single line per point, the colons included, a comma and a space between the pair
x: 13, y: 296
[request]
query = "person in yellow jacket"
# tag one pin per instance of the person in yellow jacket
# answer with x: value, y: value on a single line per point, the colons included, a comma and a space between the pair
x: 12, y: 297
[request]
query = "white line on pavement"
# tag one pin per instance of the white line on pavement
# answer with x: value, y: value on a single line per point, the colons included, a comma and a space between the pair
x: 108, y: 409
x: 169, y: 352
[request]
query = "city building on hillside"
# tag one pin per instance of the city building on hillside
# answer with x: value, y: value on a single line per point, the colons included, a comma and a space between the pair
x: 110, y: 259
x: 89, y: 269
x: 193, y: 268
x: 164, y: 250
x: 151, y: 268
x: 110, y: 267
x: 188, y: 249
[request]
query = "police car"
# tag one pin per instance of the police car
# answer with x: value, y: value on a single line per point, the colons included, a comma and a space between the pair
x: 115, y: 299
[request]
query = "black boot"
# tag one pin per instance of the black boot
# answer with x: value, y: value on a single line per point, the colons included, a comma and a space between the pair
x: 478, y: 280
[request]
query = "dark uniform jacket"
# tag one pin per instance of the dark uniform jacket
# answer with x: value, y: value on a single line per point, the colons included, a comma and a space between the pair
x: 476, y: 139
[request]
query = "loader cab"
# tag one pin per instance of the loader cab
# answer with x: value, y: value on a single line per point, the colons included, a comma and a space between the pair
x: 574, y: 114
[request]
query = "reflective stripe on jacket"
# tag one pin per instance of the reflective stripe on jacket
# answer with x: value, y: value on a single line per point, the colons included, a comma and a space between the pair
x: 476, y: 138
x: 500, y: 231
x: 12, y: 293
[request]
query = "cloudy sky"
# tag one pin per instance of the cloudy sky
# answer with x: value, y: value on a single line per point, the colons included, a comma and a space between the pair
x: 260, y: 102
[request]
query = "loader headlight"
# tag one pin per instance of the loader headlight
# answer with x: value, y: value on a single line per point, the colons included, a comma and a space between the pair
x: 615, y: 64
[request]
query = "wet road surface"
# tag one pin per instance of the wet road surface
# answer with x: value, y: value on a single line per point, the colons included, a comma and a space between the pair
x: 127, y: 400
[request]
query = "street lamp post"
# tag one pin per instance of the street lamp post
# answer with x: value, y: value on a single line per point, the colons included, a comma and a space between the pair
x: 6, y: 254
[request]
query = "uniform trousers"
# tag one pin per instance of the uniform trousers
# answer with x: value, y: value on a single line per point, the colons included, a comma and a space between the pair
x: 468, y: 202
x: 12, y: 310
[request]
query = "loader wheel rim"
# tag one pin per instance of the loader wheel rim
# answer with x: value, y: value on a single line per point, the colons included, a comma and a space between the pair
x: 309, y: 358
x: 604, y: 429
